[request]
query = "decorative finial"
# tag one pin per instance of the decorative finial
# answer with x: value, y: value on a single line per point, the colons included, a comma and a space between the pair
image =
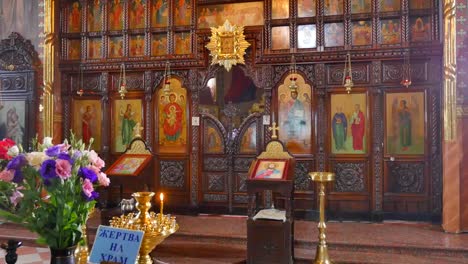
x: 274, y: 129
x: 137, y: 130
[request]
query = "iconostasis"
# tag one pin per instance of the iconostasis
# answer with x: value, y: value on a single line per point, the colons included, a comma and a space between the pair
x: 382, y: 140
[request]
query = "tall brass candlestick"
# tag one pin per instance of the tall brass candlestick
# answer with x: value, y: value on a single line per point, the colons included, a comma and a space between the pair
x: 321, y: 256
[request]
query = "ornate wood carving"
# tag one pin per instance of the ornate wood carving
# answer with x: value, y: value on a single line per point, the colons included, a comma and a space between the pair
x: 377, y: 148
x: 350, y: 176
x: 172, y: 173
x: 241, y: 199
x: 134, y: 81
x: 360, y: 74
x: 436, y: 152
x: 392, y: 72
x: 301, y: 176
x: 215, y: 164
x: 320, y: 74
x: 240, y: 182
x: 17, y: 54
x: 208, y: 197
x: 376, y: 72
x: 15, y: 82
x: 406, y: 177
x: 321, y: 135
x: 216, y: 182
x: 242, y: 164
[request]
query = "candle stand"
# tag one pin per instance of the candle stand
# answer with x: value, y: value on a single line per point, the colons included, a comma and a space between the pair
x: 155, y: 226
x: 321, y: 256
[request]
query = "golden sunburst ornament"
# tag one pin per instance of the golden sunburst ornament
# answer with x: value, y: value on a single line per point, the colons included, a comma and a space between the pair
x: 227, y: 45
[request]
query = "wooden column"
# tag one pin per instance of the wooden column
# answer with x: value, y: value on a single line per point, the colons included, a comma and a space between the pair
x: 454, y: 212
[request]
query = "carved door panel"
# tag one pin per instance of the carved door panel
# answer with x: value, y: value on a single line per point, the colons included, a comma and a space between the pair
x: 214, y: 166
x: 248, y: 144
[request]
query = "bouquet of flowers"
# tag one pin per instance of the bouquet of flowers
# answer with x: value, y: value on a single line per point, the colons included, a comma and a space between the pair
x: 50, y: 190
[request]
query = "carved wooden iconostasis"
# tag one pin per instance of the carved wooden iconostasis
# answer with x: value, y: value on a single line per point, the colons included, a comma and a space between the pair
x: 382, y: 140
x: 19, y: 63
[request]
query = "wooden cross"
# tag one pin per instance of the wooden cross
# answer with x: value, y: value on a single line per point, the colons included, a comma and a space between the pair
x: 274, y: 129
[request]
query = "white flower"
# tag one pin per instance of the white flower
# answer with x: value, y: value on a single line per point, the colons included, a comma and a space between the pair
x: 35, y: 159
x: 47, y: 142
x: 13, y: 151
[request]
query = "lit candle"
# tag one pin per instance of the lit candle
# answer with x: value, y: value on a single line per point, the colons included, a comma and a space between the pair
x: 161, y: 197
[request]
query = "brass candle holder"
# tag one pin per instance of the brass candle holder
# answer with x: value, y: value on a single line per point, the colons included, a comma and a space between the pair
x: 155, y: 226
x: 82, y: 252
x: 321, y: 256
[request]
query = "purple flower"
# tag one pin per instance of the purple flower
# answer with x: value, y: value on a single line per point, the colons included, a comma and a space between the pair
x: 17, y: 162
x: 89, y: 174
x: 18, y: 177
x: 47, y: 170
x: 65, y: 156
x: 53, y: 151
x: 94, y: 196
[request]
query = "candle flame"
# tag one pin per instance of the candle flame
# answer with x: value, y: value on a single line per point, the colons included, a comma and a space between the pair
x: 161, y: 197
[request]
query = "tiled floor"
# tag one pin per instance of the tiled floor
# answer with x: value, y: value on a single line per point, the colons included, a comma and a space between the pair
x: 222, y: 239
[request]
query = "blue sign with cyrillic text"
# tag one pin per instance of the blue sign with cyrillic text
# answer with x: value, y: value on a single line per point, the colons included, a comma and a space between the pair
x: 116, y: 245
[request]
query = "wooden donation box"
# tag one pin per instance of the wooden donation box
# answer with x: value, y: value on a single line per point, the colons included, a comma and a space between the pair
x: 270, y: 231
x: 132, y: 172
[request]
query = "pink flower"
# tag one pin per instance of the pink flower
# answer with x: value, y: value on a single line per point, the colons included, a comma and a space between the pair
x: 7, y: 175
x: 87, y: 188
x: 64, y: 147
x: 94, y: 168
x: 63, y: 168
x: 95, y: 159
x: 16, y: 197
x: 103, y: 179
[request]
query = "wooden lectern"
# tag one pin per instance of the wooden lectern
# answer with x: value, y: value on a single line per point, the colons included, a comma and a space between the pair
x: 131, y: 172
x: 270, y: 231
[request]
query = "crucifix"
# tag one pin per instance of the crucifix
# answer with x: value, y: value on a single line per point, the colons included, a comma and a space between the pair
x: 137, y: 129
x: 274, y: 129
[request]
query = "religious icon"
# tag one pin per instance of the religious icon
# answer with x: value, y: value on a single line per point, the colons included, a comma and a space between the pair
x: 137, y: 13
x: 246, y: 14
x: 333, y: 7
x: 74, y: 18
x: 306, y: 8
x: 183, y: 12
x: 334, y: 35
x: 129, y: 165
x: 360, y: 6
x: 279, y: 38
x: 419, y: 4
x: 390, y: 30
x: 279, y: 9
x: 306, y: 36
x: 137, y: 45
x: 405, y: 123
x: 362, y: 33
x: 249, y: 140
x: 87, y: 121
x: 115, y: 47
x: 172, y: 113
x: 294, y: 115
x: 182, y: 43
x: 94, y: 48
x: 348, y: 123
x: 12, y: 121
x: 74, y: 49
x: 127, y: 113
x: 212, y: 140
x: 115, y: 15
x: 420, y: 29
x: 94, y: 16
x: 159, y: 45
x: 389, y: 5
x: 270, y: 169
x: 159, y: 13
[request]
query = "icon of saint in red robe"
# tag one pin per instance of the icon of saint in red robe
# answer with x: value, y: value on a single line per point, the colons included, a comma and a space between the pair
x: 358, y: 128
x: 172, y: 114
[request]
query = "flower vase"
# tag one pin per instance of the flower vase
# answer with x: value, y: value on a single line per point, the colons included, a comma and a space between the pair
x: 62, y: 256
